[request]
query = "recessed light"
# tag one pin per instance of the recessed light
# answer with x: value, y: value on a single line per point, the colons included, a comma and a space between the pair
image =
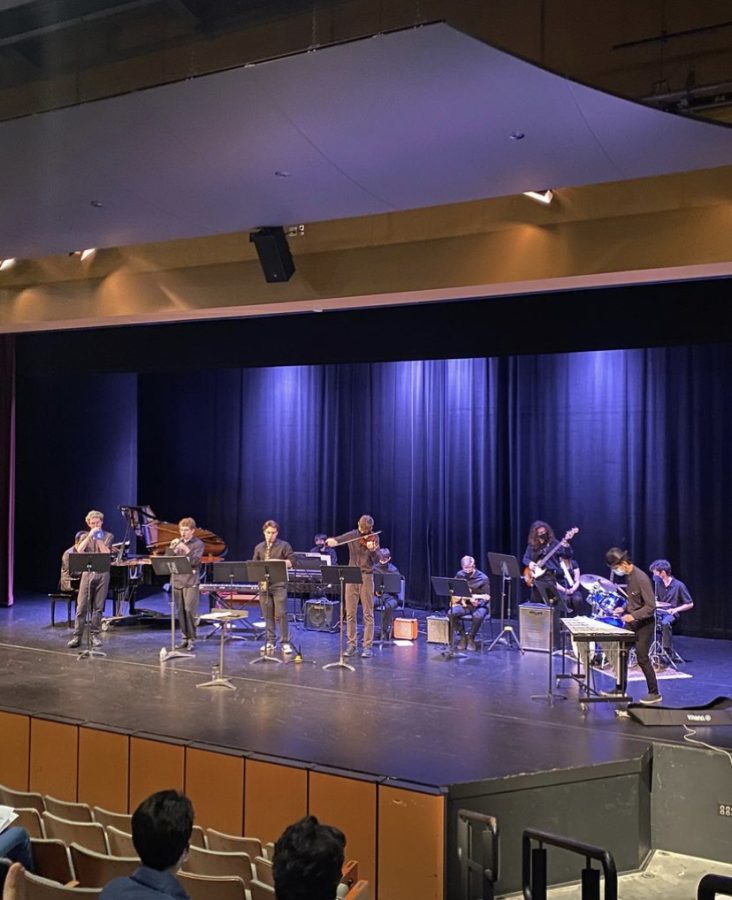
x: 280, y: 173
x: 517, y: 135
x: 97, y: 204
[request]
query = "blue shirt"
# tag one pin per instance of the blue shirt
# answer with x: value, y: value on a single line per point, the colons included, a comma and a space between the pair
x: 144, y: 884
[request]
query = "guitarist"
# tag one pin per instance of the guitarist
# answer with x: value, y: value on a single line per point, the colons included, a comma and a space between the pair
x: 542, y: 541
x: 477, y: 605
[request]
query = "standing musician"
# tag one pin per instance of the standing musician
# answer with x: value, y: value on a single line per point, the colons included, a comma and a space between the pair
x: 186, y: 590
x: 477, y: 606
x: 672, y: 597
x: 637, y: 614
x: 362, y: 547
x: 93, y: 586
x: 541, y: 541
x: 273, y: 602
x: 385, y: 601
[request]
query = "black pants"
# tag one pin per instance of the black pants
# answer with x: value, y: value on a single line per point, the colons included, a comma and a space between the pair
x: 644, y: 633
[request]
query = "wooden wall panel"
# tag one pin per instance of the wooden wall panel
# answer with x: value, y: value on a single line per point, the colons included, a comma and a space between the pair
x: 154, y: 766
x: 54, y: 754
x: 104, y: 769
x: 275, y: 796
x: 14, y: 750
x: 350, y: 804
x: 411, y: 843
x: 215, y: 784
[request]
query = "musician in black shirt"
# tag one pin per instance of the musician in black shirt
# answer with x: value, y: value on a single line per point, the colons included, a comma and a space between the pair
x: 273, y: 602
x: 637, y: 614
x: 385, y: 601
x: 324, y: 550
x: 543, y: 580
x: 477, y: 605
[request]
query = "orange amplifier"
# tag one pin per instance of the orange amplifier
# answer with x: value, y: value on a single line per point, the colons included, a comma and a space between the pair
x: 405, y: 629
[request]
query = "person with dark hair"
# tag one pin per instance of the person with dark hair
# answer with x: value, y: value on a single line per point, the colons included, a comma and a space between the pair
x: 542, y: 569
x: 477, y: 605
x: 273, y: 601
x: 323, y: 549
x: 186, y: 588
x: 161, y: 832
x: 93, y: 586
x: 637, y: 614
x: 308, y: 859
x: 362, y: 546
x: 65, y: 580
x: 672, y: 599
x: 385, y: 601
x: 568, y: 584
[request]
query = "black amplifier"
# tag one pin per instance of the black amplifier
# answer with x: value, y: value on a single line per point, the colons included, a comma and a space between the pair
x: 322, y: 615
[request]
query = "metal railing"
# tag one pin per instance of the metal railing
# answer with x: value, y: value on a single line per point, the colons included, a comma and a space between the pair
x: 478, y: 854
x: 534, y: 866
x: 711, y: 885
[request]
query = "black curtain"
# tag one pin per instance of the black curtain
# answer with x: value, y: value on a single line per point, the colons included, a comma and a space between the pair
x: 449, y: 456
x: 7, y: 467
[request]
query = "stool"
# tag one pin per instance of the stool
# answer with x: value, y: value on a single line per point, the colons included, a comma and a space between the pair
x: 224, y: 618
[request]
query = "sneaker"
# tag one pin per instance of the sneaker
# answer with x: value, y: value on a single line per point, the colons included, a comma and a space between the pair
x: 190, y: 645
x: 462, y: 643
x: 268, y: 649
x: 350, y: 650
x: 650, y: 699
x: 471, y: 644
x: 74, y: 642
x: 96, y: 642
x: 182, y: 645
x: 288, y: 649
x: 367, y: 653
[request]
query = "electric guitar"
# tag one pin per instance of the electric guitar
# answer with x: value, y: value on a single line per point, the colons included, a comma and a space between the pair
x: 536, y: 569
x: 474, y: 600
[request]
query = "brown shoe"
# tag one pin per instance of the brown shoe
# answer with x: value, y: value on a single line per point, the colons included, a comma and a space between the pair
x: 462, y: 643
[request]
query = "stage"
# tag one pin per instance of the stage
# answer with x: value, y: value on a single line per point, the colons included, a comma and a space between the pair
x: 406, y: 714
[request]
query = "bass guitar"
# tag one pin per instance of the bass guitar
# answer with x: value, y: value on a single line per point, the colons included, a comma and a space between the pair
x: 536, y: 569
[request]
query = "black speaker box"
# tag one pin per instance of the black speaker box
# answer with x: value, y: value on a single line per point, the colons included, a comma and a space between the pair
x: 322, y: 615
x: 274, y: 253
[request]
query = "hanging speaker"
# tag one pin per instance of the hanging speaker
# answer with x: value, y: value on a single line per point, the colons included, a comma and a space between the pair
x: 274, y: 253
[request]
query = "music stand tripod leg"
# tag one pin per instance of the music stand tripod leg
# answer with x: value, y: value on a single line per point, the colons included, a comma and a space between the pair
x: 90, y: 651
x: 173, y: 653
x: 550, y: 695
x: 219, y: 680
x: 266, y: 656
x: 341, y: 663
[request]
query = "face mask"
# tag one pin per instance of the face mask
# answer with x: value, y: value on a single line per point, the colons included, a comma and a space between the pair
x: 618, y: 572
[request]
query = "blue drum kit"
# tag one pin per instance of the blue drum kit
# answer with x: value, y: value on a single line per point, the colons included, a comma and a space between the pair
x: 604, y: 597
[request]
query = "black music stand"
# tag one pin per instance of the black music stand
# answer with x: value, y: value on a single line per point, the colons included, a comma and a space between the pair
x: 450, y: 587
x: 343, y: 575
x: 267, y: 573
x: 172, y: 565
x: 93, y: 563
x: 551, y: 695
x: 233, y: 574
x: 386, y: 583
x: 508, y: 568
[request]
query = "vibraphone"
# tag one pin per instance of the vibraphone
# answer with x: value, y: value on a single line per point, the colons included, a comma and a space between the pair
x: 584, y: 631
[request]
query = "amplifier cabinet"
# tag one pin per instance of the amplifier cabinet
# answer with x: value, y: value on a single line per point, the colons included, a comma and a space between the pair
x: 535, y: 622
x: 437, y: 630
x: 405, y: 629
x: 322, y: 615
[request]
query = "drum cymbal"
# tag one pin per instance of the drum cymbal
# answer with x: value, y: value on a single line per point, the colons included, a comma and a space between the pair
x: 589, y: 582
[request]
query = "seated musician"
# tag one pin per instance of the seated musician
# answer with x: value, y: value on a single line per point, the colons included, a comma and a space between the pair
x: 672, y: 598
x: 93, y: 586
x: 186, y: 588
x: 568, y: 584
x: 273, y: 602
x: 324, y: 550
x: 65, y: 581
x: 385, y: 601
x: 477, y: 605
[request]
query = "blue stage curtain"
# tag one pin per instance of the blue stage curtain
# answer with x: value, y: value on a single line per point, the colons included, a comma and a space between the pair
x: 7, y: 467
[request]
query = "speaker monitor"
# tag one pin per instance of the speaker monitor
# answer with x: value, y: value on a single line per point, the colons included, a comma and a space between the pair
x: 322, y: 615
x: 274, y: 253
x: 438, y: 630
x: 535, y: 622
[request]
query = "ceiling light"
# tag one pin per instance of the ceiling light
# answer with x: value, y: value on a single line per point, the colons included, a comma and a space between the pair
x: 544, y: 197
x: 7, y: 263
x: 517, y: 135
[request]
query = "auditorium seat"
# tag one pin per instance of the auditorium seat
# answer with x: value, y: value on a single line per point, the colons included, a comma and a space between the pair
x: 263, y: 870
x: 268, y: 850
x: 30, y: 819
x: 65, y: 809
x: 207, y: 887
x: 38, y: 888
x: 26, y: 799
x: 89, y: 834
x: 261, y: 891
x: 212, y: 862
x: 123, y: 821
x: 230, y: 843
x: 198, y: 837
x: 360, y: 891
x: 96, y: 869
x: 120, y: 842
x: 52, y: 859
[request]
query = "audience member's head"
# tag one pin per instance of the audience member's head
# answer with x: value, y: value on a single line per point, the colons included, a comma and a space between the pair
x: 161, y: 829
x: 308, y: 859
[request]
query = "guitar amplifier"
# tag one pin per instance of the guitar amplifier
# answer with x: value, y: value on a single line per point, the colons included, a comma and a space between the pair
x: 405, y: 629
x: 322, y: 615
x: 438, y: 630
x: 535, y: 622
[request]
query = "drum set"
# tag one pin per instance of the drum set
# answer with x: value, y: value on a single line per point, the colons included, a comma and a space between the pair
x: 604, y: 597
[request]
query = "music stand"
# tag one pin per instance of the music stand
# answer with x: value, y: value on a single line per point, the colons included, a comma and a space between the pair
x: 172, y: 565
x: 386, y: 583
x: 450, y: 587
x: 508, y: 568
x: 343, y: 575
x: 266, y: 573
x: 93, y: 563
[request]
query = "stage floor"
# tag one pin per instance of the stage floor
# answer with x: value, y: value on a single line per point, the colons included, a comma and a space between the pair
x: 406, y: 714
